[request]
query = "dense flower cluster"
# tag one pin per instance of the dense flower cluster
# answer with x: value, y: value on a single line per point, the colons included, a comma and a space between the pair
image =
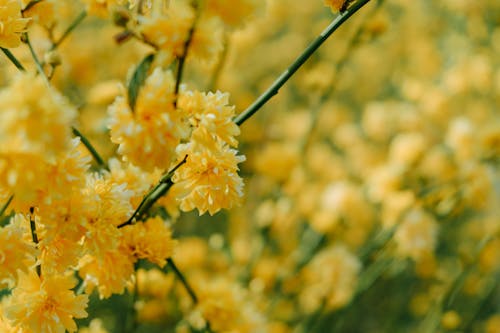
x: 370, y: 181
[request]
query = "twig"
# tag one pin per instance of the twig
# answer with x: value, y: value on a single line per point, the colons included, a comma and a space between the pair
x: 71, y: 27
x: 287, y: 74
x: 185, y: 50
x: 31, y: 4
x: 34, y: 236
x: 13, y: 59
x: 183, y: 280
x: 153, y: 195
x: 6, y: 205
x: 90, y: 148
x: 220, y: 65
x: 38, y: 64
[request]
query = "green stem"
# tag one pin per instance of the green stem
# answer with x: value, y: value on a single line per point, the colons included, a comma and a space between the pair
x: 288, y: 73
x: 34, y: 236
x: 131, y: 320
x: 220, y: 65
x: 6, y: 205
x: 13, y: 59
x: 185, y: 50
x: 188, y: 288
x: 71, y: 27
x: 153, y: 195
x: 31, y: 4
x: 38, y: 64
x: 183, y: 280
x: 90, y: 148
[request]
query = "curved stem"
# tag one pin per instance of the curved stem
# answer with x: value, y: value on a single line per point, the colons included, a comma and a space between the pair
x: 3, y: 209
x: 220, y: 65
x: 31, y: 4
x: 34, y: 236
x: 13, y: 59
x: 71, y: 27
x: 38, y: 64
x: 288, y: 73
x: 90, y: 148
x: 154, y: 194
x: 183, y: 280
x: 185, y: 50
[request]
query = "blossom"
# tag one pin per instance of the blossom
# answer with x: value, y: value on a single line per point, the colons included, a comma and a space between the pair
x: 46, y: 303
x: 16, y: 252
x: 100, y: 8
x: 148, y: 135
x: 151, y: 240
x: 226, y: 307
x: 233, y: 13
x: 335, y: 5
x: 109, y: 273
x: 209, y: 179
x: 330, y: 277
x: 169, y: 30
x: 416, y: 236
x: 35, y: 131
x: 211, y: 113
x: 12, y: 24
x: 38, y: 122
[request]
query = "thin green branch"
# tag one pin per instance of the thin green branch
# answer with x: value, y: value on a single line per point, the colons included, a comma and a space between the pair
x: 34, y: 236
x: 187, y: 286
x: 6, y: 205
x: 220, y: 65
x: 70, y: 28
x: 353, y: 42
x: 38, y: 64
x: 288, y: 73
x: 13, y: 59
x: 154, y: 194
x: 131, y: 317
x: 185, y: 50
x: 90, y: 148
x: 183, y: 280
x: 31, y: 4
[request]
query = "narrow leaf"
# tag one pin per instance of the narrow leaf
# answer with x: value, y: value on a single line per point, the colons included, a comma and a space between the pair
x: 138, y: 79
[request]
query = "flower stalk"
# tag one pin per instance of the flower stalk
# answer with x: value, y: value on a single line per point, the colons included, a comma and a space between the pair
x: 288, y: 73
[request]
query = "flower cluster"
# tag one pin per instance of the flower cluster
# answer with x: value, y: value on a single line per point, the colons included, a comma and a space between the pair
x: 119, y: 131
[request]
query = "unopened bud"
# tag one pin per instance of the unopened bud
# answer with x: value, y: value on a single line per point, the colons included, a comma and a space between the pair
x: 52, y: 58
x: 120, y: 16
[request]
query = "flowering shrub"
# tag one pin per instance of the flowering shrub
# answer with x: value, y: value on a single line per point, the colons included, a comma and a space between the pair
x: 370, y: 181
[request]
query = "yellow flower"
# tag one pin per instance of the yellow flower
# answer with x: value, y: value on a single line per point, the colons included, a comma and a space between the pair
x: 45, y: 304
x: 209, y: 180
x: 207, y: 40
x: 169, y: 30
x: 233, y: 13
x: 211, y: 113
x: 110, y: 273
x: 227, y: 307
x: 16, y: 253
x: 151, y: 240
x: 417, y: 234
x: 38, y: 122
x: 335, y: 5
x: 100, y: 8
x: 330, y: 277
x: 35, y: 131
x: 11, y: 23
x: 148, y: 135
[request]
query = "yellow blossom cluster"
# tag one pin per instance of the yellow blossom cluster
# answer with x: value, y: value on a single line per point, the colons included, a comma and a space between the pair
x: 369, y: 181
x: 12, y: 24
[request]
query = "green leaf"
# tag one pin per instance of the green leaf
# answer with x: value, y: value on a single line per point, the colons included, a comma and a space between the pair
x: 138, y: 79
